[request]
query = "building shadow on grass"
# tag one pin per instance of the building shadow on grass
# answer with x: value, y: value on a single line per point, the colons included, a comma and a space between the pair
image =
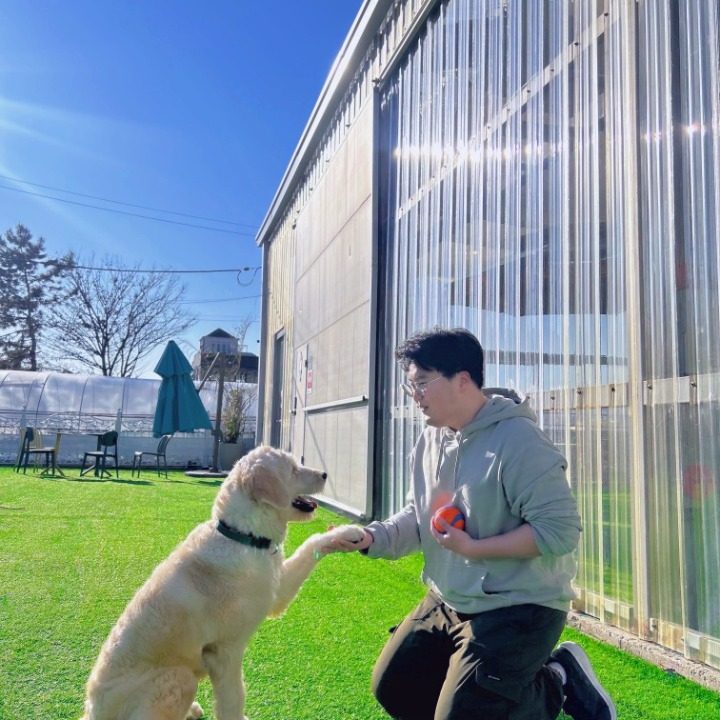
x: 93, y: 479
x: 207, y: 482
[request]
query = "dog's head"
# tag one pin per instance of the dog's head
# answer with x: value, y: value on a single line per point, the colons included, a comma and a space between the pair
x: 273, y: 479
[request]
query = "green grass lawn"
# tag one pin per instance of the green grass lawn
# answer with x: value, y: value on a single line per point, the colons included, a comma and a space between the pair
x: 73, y: 551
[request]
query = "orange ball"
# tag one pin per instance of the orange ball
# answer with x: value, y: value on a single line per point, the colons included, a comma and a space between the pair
x: 451, y: 515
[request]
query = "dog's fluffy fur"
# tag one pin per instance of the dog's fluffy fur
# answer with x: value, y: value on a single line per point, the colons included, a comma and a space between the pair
x: 197, y: 612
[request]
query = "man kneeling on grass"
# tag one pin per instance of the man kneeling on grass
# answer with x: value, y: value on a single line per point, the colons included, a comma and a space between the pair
x: 480, y: 645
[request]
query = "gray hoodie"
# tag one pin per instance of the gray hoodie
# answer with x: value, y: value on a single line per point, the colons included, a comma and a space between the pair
x: 501, y: 471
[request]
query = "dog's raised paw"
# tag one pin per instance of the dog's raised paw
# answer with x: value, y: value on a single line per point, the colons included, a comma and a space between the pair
x: 196, y: 712
x: 350, y: 533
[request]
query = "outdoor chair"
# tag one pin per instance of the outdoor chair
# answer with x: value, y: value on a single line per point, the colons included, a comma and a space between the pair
x: 106, y: 448
x: 31, y: 445
x: 158, y: 454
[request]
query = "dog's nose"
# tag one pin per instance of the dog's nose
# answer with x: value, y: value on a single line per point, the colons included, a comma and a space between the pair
x: 324, y: 476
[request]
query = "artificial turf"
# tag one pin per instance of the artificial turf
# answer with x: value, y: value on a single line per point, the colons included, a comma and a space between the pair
x: 73, y: 551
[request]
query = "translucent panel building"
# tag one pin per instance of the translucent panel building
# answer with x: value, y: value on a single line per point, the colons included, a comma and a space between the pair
x: 546, y: 174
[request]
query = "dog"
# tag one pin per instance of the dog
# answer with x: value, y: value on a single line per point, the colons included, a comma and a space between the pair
x: 198, y: 610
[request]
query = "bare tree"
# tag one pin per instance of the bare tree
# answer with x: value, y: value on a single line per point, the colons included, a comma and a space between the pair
x: 238, y: 402
x: 115, y: 318
x: 242, y: 330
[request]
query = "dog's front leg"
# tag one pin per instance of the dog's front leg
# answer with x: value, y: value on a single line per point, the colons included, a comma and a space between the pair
x: 295, y: 571
x: 224, y: 667
x: 301, y: 563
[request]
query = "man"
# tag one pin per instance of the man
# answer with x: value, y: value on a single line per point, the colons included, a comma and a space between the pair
x: 480, y: 645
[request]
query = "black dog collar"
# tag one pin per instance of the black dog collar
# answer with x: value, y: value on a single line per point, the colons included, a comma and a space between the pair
x: 261, y: 543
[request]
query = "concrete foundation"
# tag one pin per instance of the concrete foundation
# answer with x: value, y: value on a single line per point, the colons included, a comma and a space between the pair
x: 668, y: 660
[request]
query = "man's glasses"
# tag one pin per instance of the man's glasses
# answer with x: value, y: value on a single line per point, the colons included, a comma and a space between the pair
x: 411, y: 389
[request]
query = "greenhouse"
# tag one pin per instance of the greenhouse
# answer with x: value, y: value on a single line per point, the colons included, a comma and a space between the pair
x: 78, y: 407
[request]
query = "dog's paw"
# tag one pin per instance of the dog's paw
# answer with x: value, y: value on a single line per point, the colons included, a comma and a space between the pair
x: 348, y: 533
x: 345, y: 538
x: 196, y: 712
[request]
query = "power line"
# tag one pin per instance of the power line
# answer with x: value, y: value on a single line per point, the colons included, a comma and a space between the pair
x: 127, y: 204
x: 219, y: 300
x: 152, y: 271
x: 216, y: 318
x: 237, y: 271
x: 126, y: 212
x: 159, y: 272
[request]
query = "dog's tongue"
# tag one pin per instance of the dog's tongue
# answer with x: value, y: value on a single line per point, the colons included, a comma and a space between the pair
x: 304, y: 504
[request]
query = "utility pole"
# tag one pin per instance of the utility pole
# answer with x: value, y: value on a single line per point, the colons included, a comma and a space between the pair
x: 218, y: 410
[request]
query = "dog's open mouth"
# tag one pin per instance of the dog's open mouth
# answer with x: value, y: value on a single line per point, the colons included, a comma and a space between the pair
x: 304, y: 504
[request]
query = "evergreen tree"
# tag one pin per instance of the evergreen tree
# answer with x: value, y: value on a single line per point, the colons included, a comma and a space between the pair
x: 30, y: 282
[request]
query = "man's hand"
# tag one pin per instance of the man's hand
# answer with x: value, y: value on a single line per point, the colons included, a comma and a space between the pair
x: 452, y: 538
x: 345, y: 538
x: 517, y: 543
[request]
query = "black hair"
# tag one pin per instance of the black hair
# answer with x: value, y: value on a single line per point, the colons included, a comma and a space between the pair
x: 447, y: 350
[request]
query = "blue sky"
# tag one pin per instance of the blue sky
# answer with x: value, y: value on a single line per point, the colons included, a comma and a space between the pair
x: 190, y: 106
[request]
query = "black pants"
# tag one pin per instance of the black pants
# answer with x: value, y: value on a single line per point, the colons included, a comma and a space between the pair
x: 442, y: 665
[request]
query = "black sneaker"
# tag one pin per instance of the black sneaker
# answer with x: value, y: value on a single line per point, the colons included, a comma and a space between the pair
x: 585, y: 697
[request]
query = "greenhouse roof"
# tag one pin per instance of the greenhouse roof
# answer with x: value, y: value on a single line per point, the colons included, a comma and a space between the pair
x: 78, y: 402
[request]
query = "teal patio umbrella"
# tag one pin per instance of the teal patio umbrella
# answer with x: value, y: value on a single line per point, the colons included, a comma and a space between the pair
x: 179, y: 408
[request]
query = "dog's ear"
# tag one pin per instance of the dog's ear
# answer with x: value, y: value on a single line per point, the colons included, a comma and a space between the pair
x: 263, y: 484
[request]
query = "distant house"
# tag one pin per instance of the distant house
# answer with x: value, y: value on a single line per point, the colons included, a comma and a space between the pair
x: 239, y: 366
x: 248, y: 370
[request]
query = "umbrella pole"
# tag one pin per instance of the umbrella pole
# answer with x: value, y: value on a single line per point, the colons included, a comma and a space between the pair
x: 218, y: 409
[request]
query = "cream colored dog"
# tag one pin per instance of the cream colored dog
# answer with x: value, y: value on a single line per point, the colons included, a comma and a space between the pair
x: 197, y: 612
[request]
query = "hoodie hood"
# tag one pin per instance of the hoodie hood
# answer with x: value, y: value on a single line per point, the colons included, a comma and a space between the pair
x: 502, y: 404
